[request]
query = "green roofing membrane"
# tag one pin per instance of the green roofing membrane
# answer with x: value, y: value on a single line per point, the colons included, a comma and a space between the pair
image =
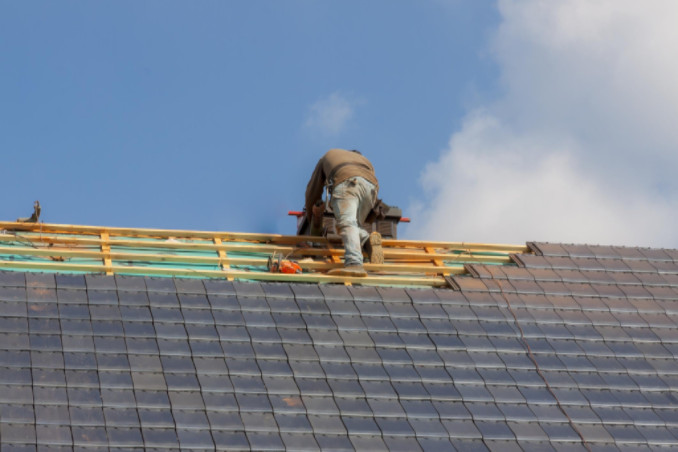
x: 62, y: 249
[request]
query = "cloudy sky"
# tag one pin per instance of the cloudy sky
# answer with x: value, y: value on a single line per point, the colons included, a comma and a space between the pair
x: 581, y: 143
x: 499, y: 122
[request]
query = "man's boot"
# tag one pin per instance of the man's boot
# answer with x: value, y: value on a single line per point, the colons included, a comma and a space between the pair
x: 374, y: 250
x: 350, y: 270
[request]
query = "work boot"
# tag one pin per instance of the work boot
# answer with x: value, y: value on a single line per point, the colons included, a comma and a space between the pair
x: 375, y: 252
x: 351, y: 270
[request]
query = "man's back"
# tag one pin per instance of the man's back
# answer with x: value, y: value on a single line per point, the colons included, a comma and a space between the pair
x: 335, y: 167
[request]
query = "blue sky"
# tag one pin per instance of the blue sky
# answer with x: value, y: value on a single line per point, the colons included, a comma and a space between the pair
x: 209, y: 115
x: 486, y: 121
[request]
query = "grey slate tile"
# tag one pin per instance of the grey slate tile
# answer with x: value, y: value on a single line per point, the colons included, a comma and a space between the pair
x: 161, y: 438
x: 219, y: 401
x: 326, y: 425
x: 409, y: 444
x: 503, y: 445
x: 18, y: 413
x: 17, y: 434
x: 368, y: 442
x: 517, y: 412
x: 494, y: 429
x: 190, y: 419
x: 225, y: 420
x: 451, y: 409
x: 299, y: 441
x: 547, y: 413
x: 484, y: 411
x: 530, y: 431
x: 254, y: 403
x: 121, y: 417
x: 16, y: 393
x: 317, y: 404
x: 50, y: 395
x: 658, y: 435
x: 543, y: 446
x: 248, y: 289
x: 59, y: 435
x: 386, y: 407
x: 195, y: 438
x: 338, y: 442
x: 347, y: 388
x: 154, y: 418
x: 393, y: 426
x: 217, y: 286
x: 67, y: 296
x: 130, y: 283
x: 286, y: 403
x: 228, y: 440
x: 474, y: 393
x: 40, y: 280
x: 506, y: 394
x: 89, y: 436
x: 625, y: 433
x: 118, y: 397
x: 288, y: 320
x: 335, y: 292
x: 150, y: 399
x: 360, y: 425
x: 94, y: 298
x: 293, y: 423
x: 152, y: 298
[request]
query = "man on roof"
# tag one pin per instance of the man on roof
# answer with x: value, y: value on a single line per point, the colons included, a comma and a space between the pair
x: 353, y: 188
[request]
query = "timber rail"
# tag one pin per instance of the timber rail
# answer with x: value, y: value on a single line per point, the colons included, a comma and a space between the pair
x: 45, y: 247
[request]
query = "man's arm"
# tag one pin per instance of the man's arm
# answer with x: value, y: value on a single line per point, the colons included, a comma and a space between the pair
x: 314, y: 189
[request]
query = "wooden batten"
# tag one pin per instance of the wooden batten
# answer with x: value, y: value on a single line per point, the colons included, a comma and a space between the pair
x: 223, y: 258
x: 106, y: 251
x: 181, y: 253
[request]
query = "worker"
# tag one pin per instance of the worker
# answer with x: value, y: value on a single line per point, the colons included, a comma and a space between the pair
x: 353, y: 189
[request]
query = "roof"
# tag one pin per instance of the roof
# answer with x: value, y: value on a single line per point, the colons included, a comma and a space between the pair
x: 570, y: 348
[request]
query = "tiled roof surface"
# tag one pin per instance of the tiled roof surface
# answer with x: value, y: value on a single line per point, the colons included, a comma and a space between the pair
x: 572, y: 349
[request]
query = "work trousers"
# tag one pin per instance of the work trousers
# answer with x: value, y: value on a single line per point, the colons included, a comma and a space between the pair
x: 351, y: 201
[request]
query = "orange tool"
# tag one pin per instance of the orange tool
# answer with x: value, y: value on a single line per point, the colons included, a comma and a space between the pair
x: 276, y: 264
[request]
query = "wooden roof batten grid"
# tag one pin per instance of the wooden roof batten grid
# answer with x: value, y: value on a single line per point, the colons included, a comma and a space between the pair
x: 233, y: 256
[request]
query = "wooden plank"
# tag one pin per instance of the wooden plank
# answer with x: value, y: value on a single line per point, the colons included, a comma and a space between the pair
x: 226, y: 261
x: 460, y: 246
x: 292, y: 252
x: 223, y: 258
x: 436, y: 262
x: 235, y: 236
x: 172, y: 244
x: 445, y: 257
x: 407, y: 262
x: 316, y: 278
x: 106, y: 251
x: 158, y: 233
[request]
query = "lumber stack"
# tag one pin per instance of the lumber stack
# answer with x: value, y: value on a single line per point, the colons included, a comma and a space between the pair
x: 61, y: 248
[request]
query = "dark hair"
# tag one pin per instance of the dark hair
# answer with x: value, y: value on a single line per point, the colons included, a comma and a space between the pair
x: 356, y: 151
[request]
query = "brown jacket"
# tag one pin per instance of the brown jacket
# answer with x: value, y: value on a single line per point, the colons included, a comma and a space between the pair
x: 340, y: 165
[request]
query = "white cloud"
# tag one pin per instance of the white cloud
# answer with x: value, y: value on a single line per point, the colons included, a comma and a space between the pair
x: 330, y: 115
x: 582, y: 146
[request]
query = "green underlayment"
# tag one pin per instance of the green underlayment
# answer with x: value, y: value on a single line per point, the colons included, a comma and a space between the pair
x: 7, y: 258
